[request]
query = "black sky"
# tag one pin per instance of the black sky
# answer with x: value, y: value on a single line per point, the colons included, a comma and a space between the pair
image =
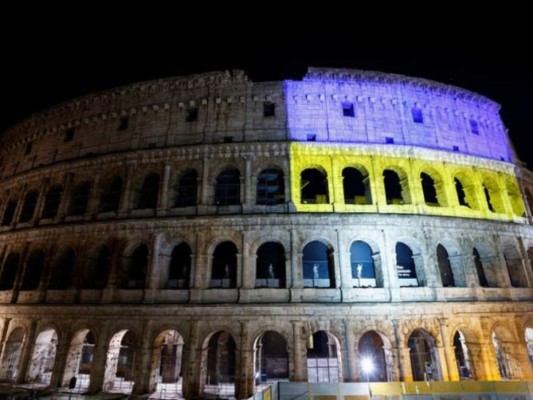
x: 48, y: 69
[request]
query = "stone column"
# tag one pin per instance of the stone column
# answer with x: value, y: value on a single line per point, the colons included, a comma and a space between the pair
x: 143, y: 356
x: 163, y: 190
x: 244, y: 371
x: 350, y: 356
x: 93, y: 200
x: 405, y: 363
x: 399, y: 363
x: 193, y: 379
x: 446, y: 354
x: 125, y: 201
x: 248, y: 265
x: 247, y: 189
x: 153, y: 272
x: 299, y: 353
x: 479, y: 362
x: 99, y: 360
x: 37, y: 212
x: 295, y: 265
x: 64, y: 203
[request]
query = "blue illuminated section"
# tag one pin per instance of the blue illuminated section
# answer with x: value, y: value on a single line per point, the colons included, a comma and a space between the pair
x: 352, y: 106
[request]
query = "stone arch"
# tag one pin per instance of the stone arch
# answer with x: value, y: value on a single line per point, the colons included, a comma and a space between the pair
x: 227, y: 188
x: 52, y: 201
x: 11, y: 356
x: 504, y: 342
x: 9, y: 212
x: 218, y: 361
x: 484, y: 264
x: 270, y: 265
x: 365, y: 263
x: 79, y: 198
x: 375, y: 359
x: 119, y: 368
x: 146, y: 191
x: 463, y: 358
x: 314, y: 186
x: 530, y: 257
x: 271, y: 357
x: 62, y: 270
x: 356, y: 185
x: 9, y: 271
x: 493, y: 195
x: 409, y: 264
x: 270, y: 187
x: 167, y: 363
x: 33, y: 271
x: 136, y: 267
x: 79, y: 360
x: 224, y: 265
x: 318, y: 264
x: 515, y: 267
x: 96, y: 268
x: 423, y: 352
x: 433, y: 188
x: 515, y: 197
x: 528, y: 335
x: 110, y: 194
x: 454, y: 260
x: 396, y: 184
x: 28, y: 206
x: 324, y: 362
x: 178, y: 273
x: 184, y: 191
x: 465, y: 190
x: 43, y: 357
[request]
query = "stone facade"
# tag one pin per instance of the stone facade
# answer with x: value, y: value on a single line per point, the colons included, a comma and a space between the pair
x: 210, y: 232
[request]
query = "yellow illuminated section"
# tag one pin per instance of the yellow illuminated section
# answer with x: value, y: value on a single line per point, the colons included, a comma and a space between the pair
x: 460, y: 189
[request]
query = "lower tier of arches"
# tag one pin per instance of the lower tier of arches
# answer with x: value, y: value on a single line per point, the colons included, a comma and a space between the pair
x: 231, y: 350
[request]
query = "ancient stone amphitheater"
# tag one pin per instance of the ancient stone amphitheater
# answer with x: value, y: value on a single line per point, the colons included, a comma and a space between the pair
x: 203, y: 235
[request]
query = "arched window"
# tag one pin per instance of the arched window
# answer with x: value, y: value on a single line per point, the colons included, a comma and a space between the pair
x: 314, y: 187
x: 137, y: 268
x: 405, y: 264
x: 9, y: 272
x: 445, y: 268
x: 224, y: 269
x: 429, y: 190
x: 111, y: 193
x: 167, y: 364
x: 9, y: 213
x: 219, y: 361
x: 97, y: 269
x: 28, y: 208
x: 396, y: 190
x: 270, y: 187
x: 493, y: 196
x: 529, y: 199
x: 186, y: 189
x: 356, y: 186
x: 119, y: 368
x: 362, y: 264
x: 228, y: 188
x: 323, y: 358
x: 79, y: 198
x: 462, y: 357
x: 483, y: 282
x: 52, y: 201
x: 514, y: 265
x: 502, y: 357
x: 318, y: 265
x: 271, y: 357
x: 33, y: 271
x: 80, y: 359
x: 515, y: 198
x: 9, y: 368
x: 179, y: 268
x: 424, y: 356
x: 461, y: 194
x: 529, y: 344
x: 270, y: 265
x: 148, y: 193
x: 43, y: 358
x: 61, y: 276
x: 375, y: 358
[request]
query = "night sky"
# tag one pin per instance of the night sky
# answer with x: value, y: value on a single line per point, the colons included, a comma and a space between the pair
x: 47, y: 70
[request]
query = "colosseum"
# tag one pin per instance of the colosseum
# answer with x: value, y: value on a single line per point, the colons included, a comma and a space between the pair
x: 212, y: 236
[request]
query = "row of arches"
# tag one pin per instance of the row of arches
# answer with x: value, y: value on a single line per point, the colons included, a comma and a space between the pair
x: 174, y: 268
x: 146, y: 192
x: 168, y: 362
x: 357, y: 189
